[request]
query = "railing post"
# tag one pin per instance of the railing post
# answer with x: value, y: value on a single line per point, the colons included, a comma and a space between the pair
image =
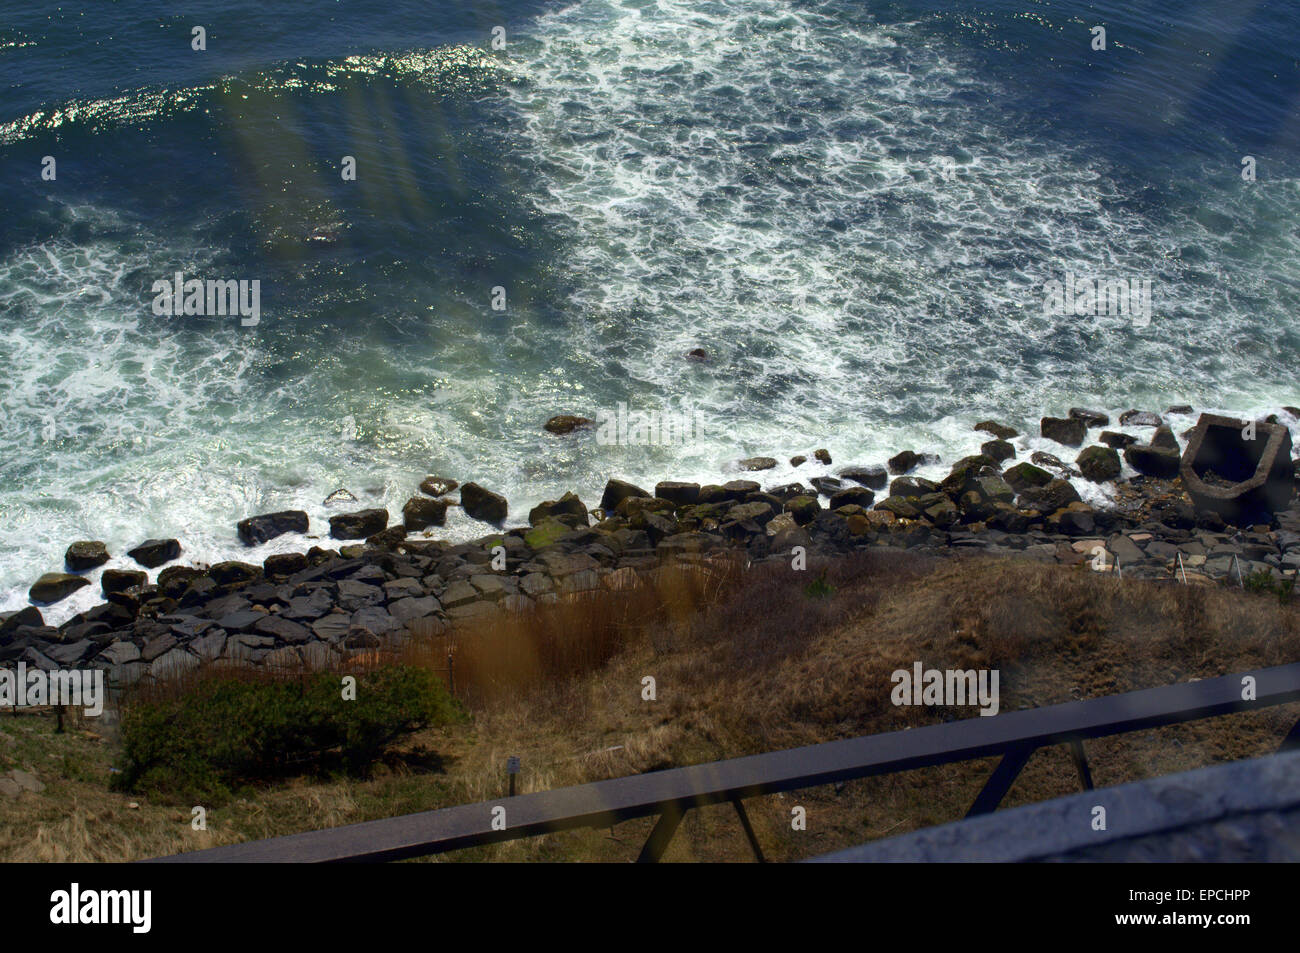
x: 1081, y: 764
x: 749, y: 830
x: 663, y: 832
x: 1000, y: 781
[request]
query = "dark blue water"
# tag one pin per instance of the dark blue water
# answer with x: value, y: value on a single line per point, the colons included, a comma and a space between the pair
x: 853, y: 206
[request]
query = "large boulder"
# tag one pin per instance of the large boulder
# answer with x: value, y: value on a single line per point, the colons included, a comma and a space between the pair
x: 85, y: 555
x: 1117, y: 440
x: 1099, y: 464
x: 26, y: 616
x: 259, y: 529
x: 1054, y: 496
x: 483, y: 504
x: 1090, y: 418
x: 757, y: 513
x: 964, y: 471
x: 904, y: 461
x: 912, y: 486
x: 902, y: 507
x: 420, y: 512
x: 942, y: 512
x: 679, y: 494
x: 155, y: 552
x: 998, y: 450
x: 852, y: 496
x: 1073, y: 520
x: 1241, y: 480
x: 826, y: 486
x: 616, y: 491
x: 1024, y: 475
x: 1164, y: 437
x: 803, y: 509
x: 119, y: 580
x: 234, y: 573
x: 568, y: 509
x: 1067, y: 430
x: 1139, y: 418
x: 757, y: 463
x: 358, y: 525
x: 874, y: 476
x: 1152, y: 461
x: 437, y: 486
x: 1051, y: 461
x: 54, y: 586
x: 992, y: 487
x: 1001, y: 431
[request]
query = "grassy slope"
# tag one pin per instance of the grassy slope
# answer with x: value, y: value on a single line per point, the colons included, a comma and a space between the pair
x: 761, y: 667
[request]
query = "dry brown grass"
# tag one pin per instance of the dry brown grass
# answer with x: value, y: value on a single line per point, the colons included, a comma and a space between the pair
x: 744, y: 664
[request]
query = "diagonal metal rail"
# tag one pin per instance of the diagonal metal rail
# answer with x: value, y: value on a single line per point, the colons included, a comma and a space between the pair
x: 1013, y: 736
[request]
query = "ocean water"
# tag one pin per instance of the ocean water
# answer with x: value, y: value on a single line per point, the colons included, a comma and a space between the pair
x: 853, y: 206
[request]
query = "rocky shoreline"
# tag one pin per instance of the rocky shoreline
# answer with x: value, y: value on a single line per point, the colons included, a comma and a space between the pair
x: 386, y: 585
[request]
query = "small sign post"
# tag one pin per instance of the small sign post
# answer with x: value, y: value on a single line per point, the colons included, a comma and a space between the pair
x: 512, y: 768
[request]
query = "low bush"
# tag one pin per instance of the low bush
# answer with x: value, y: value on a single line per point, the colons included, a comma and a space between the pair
x: 227, y: 731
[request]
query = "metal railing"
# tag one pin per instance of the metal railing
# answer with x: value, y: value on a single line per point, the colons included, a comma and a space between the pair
x: 669, y: 794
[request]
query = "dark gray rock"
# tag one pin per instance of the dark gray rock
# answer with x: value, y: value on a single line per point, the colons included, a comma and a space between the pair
x: 309, y: 607
x: 27, y: 616
x: 373, y: 620
x: 1117, y: 440
x: 234, y: 573
x: 158, y: 646
x: 241, y: 620
x: 119, y: 580
x: 267, y: 526
x: 1099, y: 464
x: 358, y: 525
x: 826, y: 486
x: 568, y: 509
x: 998, y: 450
x: 904, y: 461
x: 1025, y: 475
x: 1139, y: 418
x: 912, y: 486
x: 1067, y: 430
x: 408, y: 609
x: 482, y: 504
x: 333, y: 627
x: 1055, y: 495
x: 55, y: 586
x: 1164, y: 437
x: 1090, y: 418
x: 852, y: 496
x: 1152, y: 461
x: 85, y: 555
x: 284, y: 564
x: 420, y: 512
x: 438, y: 486
x: 353, y: 595
x: 155, y: 552
x: 616, y: 491
x: 679, y: 494
x: 282, y: 629
x: 874, y: 476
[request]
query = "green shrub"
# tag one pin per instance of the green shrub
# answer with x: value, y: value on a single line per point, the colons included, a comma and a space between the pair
x: 819, y: 588
x: 1262, y: 580
x: 229, y: 731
